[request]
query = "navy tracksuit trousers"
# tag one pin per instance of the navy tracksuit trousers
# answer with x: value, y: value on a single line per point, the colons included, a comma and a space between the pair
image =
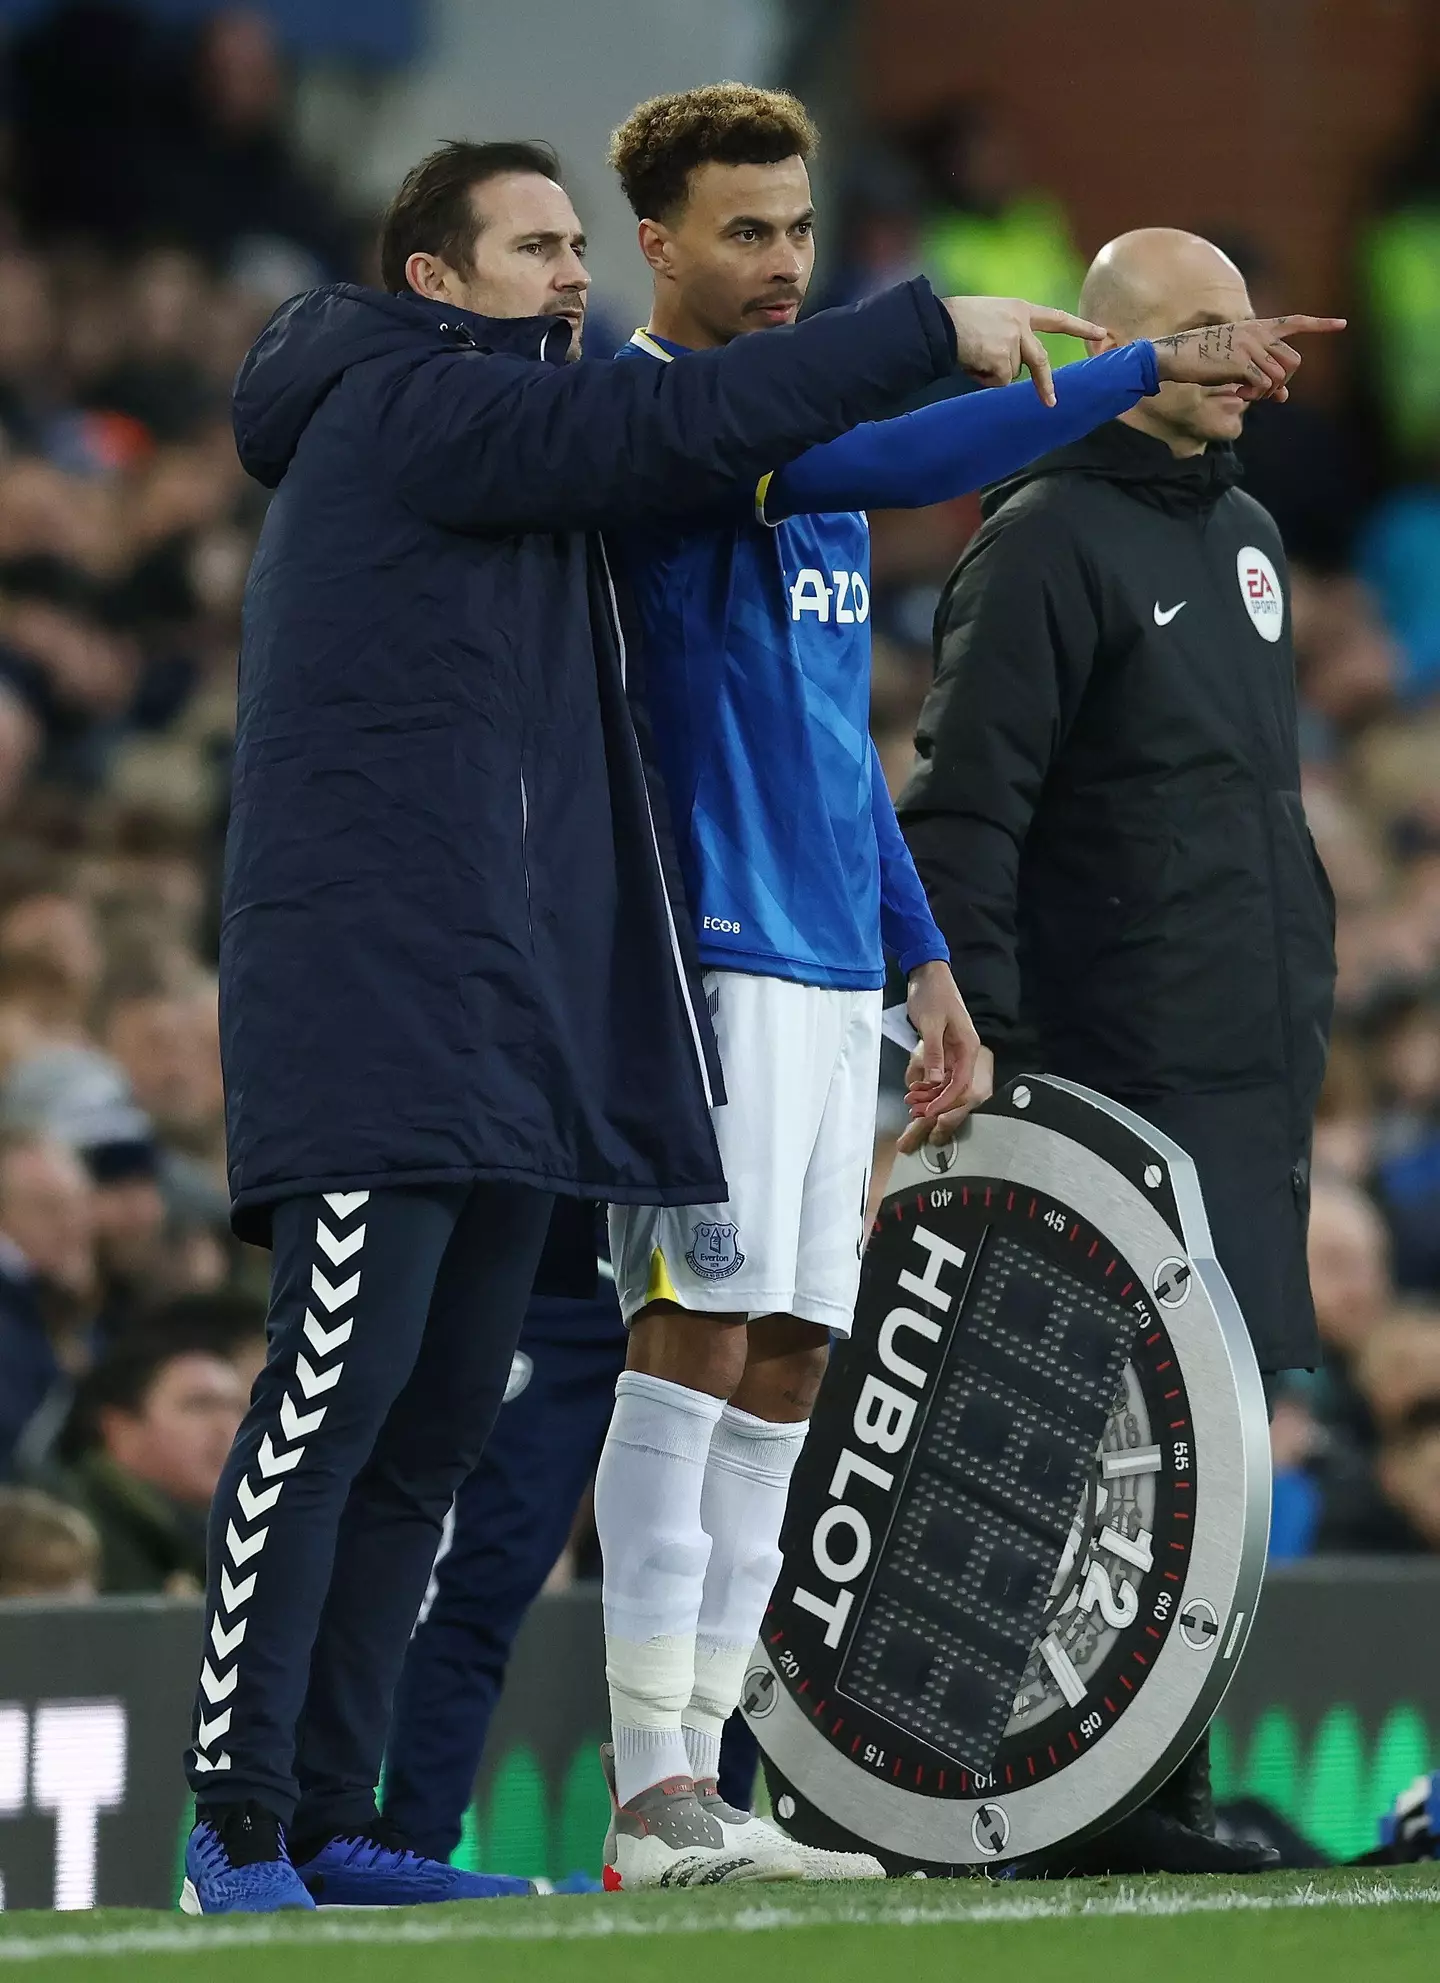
x: 511, y: 1520
x: 394, y: 1317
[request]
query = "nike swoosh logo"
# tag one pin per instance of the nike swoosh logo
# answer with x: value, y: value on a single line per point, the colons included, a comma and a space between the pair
x: 1164, y: 619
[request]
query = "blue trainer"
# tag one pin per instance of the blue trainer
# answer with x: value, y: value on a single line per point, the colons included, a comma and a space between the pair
x: 375, y: 1868
x: 578, y: 1883
x: 236, y: 1863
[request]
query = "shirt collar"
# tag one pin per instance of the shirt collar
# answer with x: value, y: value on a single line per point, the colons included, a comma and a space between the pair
x: 658, y: 347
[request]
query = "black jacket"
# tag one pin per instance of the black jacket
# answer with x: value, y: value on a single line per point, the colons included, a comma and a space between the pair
x: 1107, y: 816
x: 453, y: 941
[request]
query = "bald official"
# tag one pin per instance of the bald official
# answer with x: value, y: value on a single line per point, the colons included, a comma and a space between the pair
x: 1136, y: 278
x: 1158, y: 281
x: 1107, y: 819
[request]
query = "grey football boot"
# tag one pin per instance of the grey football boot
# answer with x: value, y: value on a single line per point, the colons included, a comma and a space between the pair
x: 664, y: 1838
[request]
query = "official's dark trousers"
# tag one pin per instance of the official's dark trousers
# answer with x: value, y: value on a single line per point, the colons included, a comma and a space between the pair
x: 393, y: 1322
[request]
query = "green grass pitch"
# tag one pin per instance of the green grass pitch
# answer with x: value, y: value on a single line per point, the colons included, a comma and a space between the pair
x: 1283, y: 1928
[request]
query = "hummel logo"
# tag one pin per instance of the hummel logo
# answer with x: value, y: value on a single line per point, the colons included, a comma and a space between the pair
x: 1164, y: 619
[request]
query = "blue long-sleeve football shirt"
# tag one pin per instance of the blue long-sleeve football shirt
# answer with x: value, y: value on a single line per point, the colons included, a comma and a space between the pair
x: 758, y: 675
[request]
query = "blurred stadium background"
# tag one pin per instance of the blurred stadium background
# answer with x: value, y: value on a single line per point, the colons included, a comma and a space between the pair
x: 168, y: 174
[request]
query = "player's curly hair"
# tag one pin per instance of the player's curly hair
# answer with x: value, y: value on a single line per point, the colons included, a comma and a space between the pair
x: 661, y: 142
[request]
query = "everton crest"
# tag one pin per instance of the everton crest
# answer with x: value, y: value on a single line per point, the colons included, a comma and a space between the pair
x: 713, y: 1254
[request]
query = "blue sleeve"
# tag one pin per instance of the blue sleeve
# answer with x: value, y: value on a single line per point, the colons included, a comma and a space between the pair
x: 907, y: 928
x: 959, y: 444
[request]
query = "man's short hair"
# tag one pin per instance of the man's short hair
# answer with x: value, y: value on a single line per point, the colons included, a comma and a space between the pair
x: 220, y: 1323
x: 432, y: 214
x: 663, y: 141
x: 121, y: 1381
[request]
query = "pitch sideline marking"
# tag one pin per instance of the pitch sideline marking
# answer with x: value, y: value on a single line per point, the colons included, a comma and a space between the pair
x: 599, y: 1923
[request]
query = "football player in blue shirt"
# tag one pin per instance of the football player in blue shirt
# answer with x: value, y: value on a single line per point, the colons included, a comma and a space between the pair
x: 757, y: 666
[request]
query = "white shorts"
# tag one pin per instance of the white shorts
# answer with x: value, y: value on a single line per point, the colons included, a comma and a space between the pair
x: 796, y: 1137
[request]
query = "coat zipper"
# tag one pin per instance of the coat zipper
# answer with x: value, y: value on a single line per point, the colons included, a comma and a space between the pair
x: 677, y: 956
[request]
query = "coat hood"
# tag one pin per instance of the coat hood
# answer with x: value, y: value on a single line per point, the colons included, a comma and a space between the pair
x: 1117, y: 452
x: 313, y: 340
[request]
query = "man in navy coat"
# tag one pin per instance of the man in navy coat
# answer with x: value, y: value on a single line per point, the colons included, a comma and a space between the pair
x: 455, y: 966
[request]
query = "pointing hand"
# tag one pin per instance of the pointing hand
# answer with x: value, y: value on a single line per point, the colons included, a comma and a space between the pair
x: 1255, y: 355
x: 997, y: 335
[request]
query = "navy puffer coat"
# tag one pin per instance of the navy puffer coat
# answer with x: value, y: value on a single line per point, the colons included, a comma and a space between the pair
x: 453, y: 946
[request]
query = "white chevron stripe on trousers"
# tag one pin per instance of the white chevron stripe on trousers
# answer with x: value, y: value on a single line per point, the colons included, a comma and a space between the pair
x: 258, y: 1497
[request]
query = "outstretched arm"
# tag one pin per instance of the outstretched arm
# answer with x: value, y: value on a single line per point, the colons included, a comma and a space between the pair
x: 480, y: 440
x: 959, y: 444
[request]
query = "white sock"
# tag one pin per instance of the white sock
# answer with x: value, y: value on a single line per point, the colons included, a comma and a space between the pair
x: 648, y: 1489
x: 747, y: 1483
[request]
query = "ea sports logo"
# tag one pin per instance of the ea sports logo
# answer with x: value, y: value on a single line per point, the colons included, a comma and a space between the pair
x: 1260, y: 589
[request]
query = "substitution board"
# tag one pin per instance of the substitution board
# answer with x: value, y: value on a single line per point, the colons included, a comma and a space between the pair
x: 1026, y: 1537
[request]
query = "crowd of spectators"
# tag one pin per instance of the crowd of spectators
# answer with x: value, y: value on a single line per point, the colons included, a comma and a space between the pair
x: 152, y: 213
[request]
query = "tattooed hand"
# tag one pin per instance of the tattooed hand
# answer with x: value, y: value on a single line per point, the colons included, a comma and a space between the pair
x: 1255, y: 355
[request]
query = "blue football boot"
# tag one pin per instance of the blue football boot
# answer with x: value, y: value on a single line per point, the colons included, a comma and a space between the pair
x: 572, y: 1883
x: 236, y: 1863
x: 376, y: 1868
